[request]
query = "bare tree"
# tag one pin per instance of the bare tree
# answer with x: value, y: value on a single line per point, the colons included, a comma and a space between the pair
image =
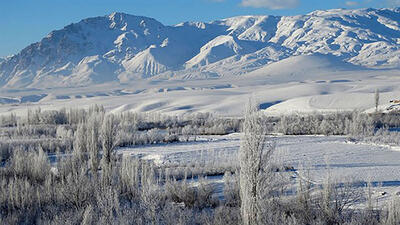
x: 109, y: 138
x: 255, y: 159
x: 93, y: 144
x: 80, y: 149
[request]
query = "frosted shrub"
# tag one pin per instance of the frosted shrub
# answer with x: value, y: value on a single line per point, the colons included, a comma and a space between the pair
x: 108, y: 205
x: 34, y: 165
x: 8, y: 120
x: 204, y: 193
x: 130, y: 178
x: 393, y: 213
x: 63, y: 132
x: 231, y: 190
x: 76, y: 188
x: 154, y: 136
x: 198, y: 197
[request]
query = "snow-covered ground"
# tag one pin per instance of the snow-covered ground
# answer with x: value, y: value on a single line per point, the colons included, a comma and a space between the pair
x: 278, y: 90
x: 317, y: 156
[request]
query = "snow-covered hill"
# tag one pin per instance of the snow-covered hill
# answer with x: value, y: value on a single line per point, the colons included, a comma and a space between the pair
x: 303, y: 68
x: 121, y: 47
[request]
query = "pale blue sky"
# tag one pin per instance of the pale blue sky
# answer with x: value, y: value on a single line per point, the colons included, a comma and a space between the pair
x: 23, y: 22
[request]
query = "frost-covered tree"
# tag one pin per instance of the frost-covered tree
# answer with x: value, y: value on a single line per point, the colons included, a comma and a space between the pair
x: 33, y: 117
x: 361, y: 125
x: 376, y: 99
x: 186, y: 131
x: 80, y: 148
x: 93, y: 145
x: 255, y: 157
x: 109, y: 138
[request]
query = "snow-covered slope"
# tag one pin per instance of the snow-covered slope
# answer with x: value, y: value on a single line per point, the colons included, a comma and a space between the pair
x: 121, y: 47
x: 303, y: 68
x: 219, y: 48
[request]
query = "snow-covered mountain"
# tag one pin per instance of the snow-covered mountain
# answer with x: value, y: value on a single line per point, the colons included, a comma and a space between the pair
x: 121, y: 47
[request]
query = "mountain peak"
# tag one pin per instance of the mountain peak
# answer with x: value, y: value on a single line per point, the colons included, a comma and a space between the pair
x: 120, y: 16
x: 138, y: 46
x: 113, y: 15
x: 125, y: 21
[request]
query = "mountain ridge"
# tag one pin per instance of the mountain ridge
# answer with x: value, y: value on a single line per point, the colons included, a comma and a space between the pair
x: 122, y: 47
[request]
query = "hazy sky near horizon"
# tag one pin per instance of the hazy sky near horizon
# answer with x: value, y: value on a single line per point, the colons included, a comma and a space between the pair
x: 23, y: 22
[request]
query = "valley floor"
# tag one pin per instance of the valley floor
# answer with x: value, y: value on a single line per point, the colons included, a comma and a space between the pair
x: 277, y: 94
x: 316, y: 157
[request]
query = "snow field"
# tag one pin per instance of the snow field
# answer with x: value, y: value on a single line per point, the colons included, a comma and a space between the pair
x: 313, y: 158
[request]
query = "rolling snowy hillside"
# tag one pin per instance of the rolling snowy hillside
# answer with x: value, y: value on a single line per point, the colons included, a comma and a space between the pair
x: 323, y: 61
x: 121, y: 47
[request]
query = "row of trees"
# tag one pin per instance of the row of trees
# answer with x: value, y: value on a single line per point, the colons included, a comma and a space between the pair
x: 340, y: 123
x: 137, y: 121
x: 55, y: 131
